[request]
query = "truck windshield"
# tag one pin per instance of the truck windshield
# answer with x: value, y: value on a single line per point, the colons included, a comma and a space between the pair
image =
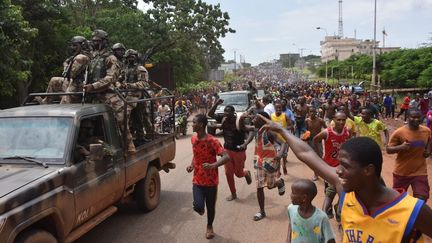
x: 41, y: 138
x: 240, y: 99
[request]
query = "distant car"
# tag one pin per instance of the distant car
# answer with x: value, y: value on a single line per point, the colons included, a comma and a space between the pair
x: 358, y: 89
x: 240, y: 100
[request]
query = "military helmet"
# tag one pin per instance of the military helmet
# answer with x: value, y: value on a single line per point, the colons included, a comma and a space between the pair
x: 131, y: 52
x: 118, y: 46
x: 78, y: 39
x: 100, y: 34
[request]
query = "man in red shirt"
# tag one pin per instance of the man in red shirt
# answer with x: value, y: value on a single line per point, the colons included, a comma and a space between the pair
x: 333, y: 138
x: 404, y: 107
x: 205, y: 167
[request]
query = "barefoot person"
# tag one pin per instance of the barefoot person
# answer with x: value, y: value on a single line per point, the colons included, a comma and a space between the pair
x: 205, y: 167
x: 234, y: 144
x: 306, y: 223
x: 266, y: 163
x: 371, y: 212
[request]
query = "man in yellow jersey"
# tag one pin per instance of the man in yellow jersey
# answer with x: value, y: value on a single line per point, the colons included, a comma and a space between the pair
x: 367, y: 126
x: 371, y: 212
x: 280, y: 117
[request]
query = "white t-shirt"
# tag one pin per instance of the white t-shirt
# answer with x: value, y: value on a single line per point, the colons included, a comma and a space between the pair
x: 163, y: 110
x: 269, y: 109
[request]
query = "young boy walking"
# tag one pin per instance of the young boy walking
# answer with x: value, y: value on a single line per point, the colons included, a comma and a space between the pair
x: 205, y: 167
x: 306, y: 223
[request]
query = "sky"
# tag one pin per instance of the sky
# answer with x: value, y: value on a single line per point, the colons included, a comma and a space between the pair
x: 265, y: 29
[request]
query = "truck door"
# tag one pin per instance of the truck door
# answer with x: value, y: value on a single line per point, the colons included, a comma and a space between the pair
x: 96, y: 182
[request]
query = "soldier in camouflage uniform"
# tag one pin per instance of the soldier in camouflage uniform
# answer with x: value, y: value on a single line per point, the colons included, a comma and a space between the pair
x: 77, y: 69
x: 119, y: 52
x: 135, y: 76
x: 73, y: 68
x: 104, y: 70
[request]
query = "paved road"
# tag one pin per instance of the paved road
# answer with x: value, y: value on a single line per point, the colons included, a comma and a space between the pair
x: 175, y: 221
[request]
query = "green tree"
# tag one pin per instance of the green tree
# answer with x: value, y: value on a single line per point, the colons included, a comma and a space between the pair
x: 15, y: 36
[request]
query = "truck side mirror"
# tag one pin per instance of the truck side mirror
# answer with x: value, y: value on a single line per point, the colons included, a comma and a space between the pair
x: 96, y: 152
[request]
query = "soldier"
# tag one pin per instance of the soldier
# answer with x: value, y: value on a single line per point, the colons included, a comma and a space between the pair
x: 119, y: 52
x: 103, y: 72
x: 135, y: 77
x: 73, y: 67
x: 78, y: 68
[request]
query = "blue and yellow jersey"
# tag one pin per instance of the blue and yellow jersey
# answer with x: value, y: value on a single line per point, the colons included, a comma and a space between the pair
x: 391, y: 223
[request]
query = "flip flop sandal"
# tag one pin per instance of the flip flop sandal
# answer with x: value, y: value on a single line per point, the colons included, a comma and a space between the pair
x: 281, y: 188
x: 258, y: 216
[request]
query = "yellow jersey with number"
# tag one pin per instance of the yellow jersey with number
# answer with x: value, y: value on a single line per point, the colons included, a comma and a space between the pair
x: 389, y: 224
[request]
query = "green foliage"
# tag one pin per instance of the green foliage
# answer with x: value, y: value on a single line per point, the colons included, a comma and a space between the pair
x: 34, y: 37
x: 15, y: 36
x: 402, y: 68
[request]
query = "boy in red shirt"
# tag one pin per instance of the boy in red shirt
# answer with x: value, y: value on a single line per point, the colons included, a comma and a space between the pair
x: 333, y: 138
x: 205, y: 167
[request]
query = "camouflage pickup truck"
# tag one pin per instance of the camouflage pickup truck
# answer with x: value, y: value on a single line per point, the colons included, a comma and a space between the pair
x: 63, y: 170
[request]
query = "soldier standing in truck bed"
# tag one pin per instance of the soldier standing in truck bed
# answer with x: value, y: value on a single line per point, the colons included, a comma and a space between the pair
x: 134, y: 76
x: 104, y: 70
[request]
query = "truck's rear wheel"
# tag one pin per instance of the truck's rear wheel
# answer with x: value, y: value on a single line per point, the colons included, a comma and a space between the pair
x: 147, y: 190
x: 35, y: 236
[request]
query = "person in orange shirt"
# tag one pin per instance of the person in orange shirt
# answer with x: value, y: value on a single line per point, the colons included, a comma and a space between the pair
x: 412, y: 145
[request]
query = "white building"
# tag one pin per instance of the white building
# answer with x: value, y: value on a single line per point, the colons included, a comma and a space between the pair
x: 335, y: 48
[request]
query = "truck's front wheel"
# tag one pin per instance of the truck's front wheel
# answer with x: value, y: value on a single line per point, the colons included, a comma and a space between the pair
x: 147, y: 190
x: 35, y: 236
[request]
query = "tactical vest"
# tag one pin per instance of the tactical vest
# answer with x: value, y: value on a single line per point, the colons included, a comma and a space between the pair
x: 131, y: 75
x: 97, y: 67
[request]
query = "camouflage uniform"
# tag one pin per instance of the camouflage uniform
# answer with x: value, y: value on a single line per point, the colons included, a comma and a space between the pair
x: 58, y: 84
x: 104, y: 71
x: 136, y: 77
x: 73, y: 68
x: 77, y: 75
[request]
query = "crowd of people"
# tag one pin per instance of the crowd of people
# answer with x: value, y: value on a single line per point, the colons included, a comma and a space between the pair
x: 341, y: 137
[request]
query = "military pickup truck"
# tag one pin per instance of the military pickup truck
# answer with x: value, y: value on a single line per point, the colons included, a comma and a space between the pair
x: 63, y: 170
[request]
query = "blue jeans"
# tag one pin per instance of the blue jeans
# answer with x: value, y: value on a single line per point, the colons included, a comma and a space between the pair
x: 205, y: 195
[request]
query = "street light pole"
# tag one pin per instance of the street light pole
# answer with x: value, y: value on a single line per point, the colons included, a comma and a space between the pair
x: 326, y: 72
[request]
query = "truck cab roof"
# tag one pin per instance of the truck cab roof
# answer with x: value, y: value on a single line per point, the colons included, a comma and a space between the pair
x: 58, y: 110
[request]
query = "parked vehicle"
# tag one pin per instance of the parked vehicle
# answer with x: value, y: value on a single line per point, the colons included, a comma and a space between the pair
x: 65, y: 167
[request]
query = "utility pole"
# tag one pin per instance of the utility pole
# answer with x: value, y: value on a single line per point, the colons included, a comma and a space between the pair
x: 374, y: 84
x: 340, y: 29
x: 235, y: 61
